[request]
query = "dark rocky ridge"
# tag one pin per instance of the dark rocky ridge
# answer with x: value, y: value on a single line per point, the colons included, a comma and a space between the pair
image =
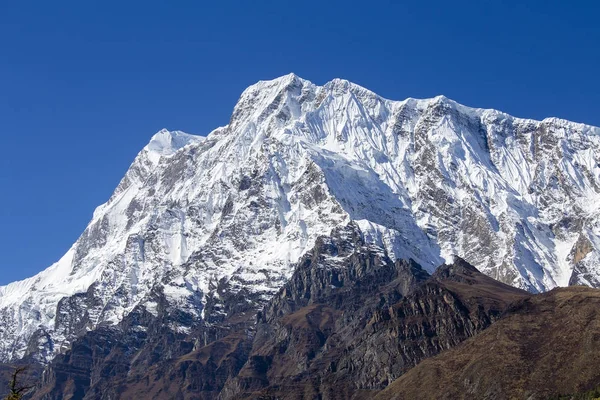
x: 338, y: 343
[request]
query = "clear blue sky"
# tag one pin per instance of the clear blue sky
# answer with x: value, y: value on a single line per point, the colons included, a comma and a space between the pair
x: 85, y: 84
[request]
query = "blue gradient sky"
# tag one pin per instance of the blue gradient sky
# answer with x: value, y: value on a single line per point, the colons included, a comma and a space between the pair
x: 85, y: 84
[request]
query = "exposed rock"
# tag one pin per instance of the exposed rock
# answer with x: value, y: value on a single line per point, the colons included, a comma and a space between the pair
x: 581, y: 249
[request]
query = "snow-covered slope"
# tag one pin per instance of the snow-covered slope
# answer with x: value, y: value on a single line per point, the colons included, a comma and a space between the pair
x: 425, y: 179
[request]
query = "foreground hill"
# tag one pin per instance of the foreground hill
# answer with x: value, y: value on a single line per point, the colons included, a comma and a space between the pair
x: 548, y: 345
x: 317, y: 339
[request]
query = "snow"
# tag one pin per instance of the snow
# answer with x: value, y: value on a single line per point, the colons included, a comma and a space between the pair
x: 423, y: 178
x: 166, y: 143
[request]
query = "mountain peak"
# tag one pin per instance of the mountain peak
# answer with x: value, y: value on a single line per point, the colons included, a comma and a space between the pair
x: 166, y: 143
x: 276, y: 84
x: 458, y: 267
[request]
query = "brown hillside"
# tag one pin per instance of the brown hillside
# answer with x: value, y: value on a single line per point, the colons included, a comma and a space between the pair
x: 548, y: 345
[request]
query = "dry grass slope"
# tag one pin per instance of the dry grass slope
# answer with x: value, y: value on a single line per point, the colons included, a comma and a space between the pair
x: 547, y: 346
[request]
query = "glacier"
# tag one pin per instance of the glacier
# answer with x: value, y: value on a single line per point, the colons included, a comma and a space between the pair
x: 425, y: 179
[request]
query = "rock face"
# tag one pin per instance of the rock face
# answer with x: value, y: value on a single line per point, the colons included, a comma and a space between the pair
x: 209, y: 226
x: 548, y: 346
x: 143, y: 357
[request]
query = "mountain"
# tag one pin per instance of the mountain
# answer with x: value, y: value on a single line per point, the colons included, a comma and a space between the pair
x: 204, y: 228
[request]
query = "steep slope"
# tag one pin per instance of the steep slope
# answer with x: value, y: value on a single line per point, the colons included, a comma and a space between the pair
x: 548, y: 346
x: 142, y: 357
x: 423, y: 179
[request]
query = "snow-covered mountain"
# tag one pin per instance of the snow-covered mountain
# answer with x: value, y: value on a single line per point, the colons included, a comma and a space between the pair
x: 423, y: 179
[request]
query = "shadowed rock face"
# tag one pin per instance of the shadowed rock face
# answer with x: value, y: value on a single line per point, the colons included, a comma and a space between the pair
x: 150, y: 356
